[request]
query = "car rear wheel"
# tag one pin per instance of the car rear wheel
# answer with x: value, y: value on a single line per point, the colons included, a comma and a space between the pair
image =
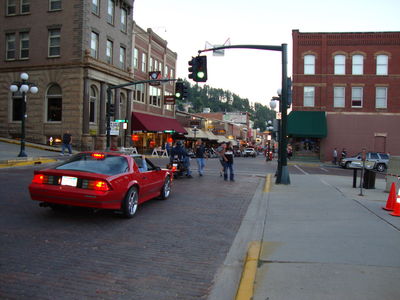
x: 131, y: 203
x: 381, y: 168
x: 347, y: 165
x: 166, y: 189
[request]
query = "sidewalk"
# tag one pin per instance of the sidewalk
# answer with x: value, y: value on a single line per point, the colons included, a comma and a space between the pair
x: 313, y: 239
x: 37, y: 154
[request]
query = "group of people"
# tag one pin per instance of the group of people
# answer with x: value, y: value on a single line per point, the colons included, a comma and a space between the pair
x: 225, y: 152
x: 343, y: 154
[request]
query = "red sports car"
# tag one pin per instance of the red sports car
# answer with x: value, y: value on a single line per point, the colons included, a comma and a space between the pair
x: 101, y: 180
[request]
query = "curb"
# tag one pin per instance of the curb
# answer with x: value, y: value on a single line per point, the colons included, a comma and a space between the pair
x: 246, y: 286
x: 31, y: 161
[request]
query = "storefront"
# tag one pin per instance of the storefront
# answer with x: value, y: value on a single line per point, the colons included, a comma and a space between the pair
x: 151, y: 131
x: 305, y: 130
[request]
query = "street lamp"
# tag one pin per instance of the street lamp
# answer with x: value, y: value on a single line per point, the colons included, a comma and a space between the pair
x: 23, y: 87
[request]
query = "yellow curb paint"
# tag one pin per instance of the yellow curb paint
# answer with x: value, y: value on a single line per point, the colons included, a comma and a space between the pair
x: 26, y: 163
x: 267, y: 186
x: 246, y: 286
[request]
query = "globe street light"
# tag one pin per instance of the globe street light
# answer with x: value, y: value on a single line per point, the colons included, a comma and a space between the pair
x: 23, y: 87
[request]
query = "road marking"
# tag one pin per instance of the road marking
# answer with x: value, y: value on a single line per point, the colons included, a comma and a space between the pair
x: 246, y: 285
x: 267, y: 186
x: 300, y: 169
x: 323, y: 169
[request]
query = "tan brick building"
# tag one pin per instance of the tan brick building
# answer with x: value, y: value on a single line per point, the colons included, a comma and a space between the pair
x: 73, y: 50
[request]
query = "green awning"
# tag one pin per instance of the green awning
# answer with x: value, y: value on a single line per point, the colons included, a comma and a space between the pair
x: 307, y: 124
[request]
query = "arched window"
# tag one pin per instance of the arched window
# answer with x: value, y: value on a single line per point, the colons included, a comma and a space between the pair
x: 54, y: 103
x: 340, y: 64
x: 358, y: 64
x: 92, y: 104
x: 382, y: 64
x: 309, y: 64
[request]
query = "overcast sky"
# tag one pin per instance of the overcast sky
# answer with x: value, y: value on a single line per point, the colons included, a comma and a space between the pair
x: 255, y: 74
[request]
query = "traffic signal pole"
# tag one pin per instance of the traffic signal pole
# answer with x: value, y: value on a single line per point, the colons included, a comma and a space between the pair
x: 282, y: 171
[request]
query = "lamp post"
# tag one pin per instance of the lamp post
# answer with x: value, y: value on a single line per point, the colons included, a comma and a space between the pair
x: 269, y: 128
x: 23, y: 87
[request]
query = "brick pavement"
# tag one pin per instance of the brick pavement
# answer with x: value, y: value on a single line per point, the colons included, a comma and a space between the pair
x: 169, y: 250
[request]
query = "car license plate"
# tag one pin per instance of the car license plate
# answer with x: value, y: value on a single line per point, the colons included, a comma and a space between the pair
x: 67, y: 180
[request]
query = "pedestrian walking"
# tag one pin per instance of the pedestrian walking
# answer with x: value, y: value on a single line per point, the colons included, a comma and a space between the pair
x: 66, y: 143
x: 221, y: 158
x: 334, y: 156
x: 200, y: 153
x: 227, y: 154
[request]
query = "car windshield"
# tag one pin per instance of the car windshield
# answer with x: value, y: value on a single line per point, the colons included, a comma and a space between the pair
x: 384, y: 156
x: 96, y: 163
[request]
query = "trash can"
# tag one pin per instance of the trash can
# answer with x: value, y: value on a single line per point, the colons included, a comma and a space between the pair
x: 369, y: 179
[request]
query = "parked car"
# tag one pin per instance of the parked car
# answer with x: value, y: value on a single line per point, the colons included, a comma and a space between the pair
x: 381, y: 160
x: 249, y: 152
x: 102, y: 180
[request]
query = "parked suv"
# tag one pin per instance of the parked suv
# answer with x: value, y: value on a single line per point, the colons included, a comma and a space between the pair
x: 381, y: 160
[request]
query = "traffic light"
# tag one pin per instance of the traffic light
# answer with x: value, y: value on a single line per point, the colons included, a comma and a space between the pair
x: 110, y: 109
x: 198, y: 69
x: 289, y: 91
x: 181, y: 90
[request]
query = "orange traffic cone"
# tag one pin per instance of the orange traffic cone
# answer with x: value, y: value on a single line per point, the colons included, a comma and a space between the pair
x: 396, y: 211
x: 391, y: 199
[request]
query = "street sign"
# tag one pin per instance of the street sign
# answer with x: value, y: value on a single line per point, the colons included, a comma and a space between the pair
x: 169, y: 100
x: 114, y: 128
x: 121, y: 121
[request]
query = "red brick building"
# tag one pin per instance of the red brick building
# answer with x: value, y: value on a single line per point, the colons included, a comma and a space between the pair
x: 346, y: 92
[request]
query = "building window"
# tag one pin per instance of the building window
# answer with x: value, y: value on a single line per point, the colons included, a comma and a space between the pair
x: 25, y: 6
x: 151, y: 64
x: 92, y: 104
x: 381, y: 97
x: 10, y: 46
x: 309, y: 64
x: 94, y: 44
x: 54, y: 103
x: 24, y: 45
x: 171, y: 75
x: 169, y: 106
x: 17, y: 106
x: 340, y: 65
x: 122, y: 56
x: 11, y: 7
x: 123, y: 24
x: 358, y: 65
x: 356, y: 97
x: 95, y: 7
x: 155, y: 96
x: 135, y: 58
x: 109, y: 52
x: 54, y: 42
x: 309, y: 93
x: 166, y: 71
x: 54, y: 5
x: 339, y: 96
x: 110, y: 11
x: 144, y: 62
x: 139, y: 93
x: 382, y: 62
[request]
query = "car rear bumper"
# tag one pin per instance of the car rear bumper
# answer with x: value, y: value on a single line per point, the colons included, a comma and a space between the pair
x: 75, y: 197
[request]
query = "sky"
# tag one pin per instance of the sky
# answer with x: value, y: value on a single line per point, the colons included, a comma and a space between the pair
x: 254, y: 74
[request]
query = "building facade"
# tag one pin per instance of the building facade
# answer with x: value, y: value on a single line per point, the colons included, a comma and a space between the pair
x: 73, y: 52
x: 346, y: 92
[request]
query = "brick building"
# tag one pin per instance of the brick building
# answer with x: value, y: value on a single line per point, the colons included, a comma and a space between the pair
x: 346, y: 92
x: 73, y: 50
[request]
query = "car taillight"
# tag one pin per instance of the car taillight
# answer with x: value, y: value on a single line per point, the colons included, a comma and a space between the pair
x: 39, y: 178
x: 97, y: 185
